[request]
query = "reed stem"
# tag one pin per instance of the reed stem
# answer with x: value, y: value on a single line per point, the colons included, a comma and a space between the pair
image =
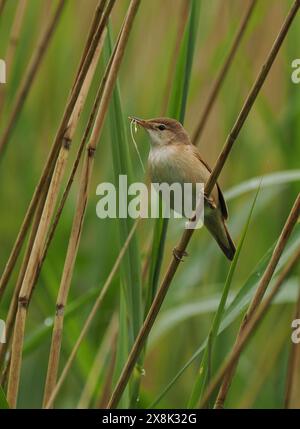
x: 36, y: 255
x: 85, y: 63
x: 94, y: 311
x: 99, y: 363
x: 259, y: 294
x: 82, y: 201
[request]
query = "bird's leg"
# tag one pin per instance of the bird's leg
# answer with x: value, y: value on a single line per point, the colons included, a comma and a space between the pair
x: 179, y: 254
x: 210, y: 201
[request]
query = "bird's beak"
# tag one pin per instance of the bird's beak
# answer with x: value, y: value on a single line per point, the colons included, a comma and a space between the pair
x: 141, y: 122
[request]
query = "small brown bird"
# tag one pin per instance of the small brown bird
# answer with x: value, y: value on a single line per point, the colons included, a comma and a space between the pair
x: 174, y: 159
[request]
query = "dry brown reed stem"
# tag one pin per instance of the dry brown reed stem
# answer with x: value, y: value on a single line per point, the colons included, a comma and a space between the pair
x: 98, y: 364
x: 36, y: 254
x: 58, y: 321
x: 50, y: 163
x: 13, y: 305
x: 63, y: 155
x: 30, y: 74
x: 77, y: 160
x: 223, y: 72
x: 257, y: 316
x: 82, y: 200
x: 97, y: 17
x: 187, y: 234
x: 259, y: 294
x: 49, y: 166
x: 10, y: 319
x: 94, y: 311
x: 292, y: 392
x: 13, y: 43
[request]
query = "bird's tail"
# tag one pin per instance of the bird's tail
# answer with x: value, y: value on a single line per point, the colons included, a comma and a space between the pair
x: 229, y: 249
x: 222, y: 236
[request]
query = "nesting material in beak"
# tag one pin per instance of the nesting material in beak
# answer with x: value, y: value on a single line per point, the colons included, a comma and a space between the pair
x: 134, y: 122
x: 141, y: 122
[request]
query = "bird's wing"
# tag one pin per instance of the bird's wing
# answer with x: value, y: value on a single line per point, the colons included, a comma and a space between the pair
x: 223, y: 205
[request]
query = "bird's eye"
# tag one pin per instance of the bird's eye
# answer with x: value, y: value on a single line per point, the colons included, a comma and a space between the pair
x: 161, y: 127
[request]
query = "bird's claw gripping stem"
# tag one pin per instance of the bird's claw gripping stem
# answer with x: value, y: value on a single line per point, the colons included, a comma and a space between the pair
x: 210, y: 201
x: 179, y: 254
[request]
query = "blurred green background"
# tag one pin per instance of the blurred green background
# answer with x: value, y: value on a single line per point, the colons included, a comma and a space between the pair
x: 269, y: 143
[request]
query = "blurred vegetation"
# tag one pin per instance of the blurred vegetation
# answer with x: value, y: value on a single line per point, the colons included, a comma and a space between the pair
x: 268, y: 143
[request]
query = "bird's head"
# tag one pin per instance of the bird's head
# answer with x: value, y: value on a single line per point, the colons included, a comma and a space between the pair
x: 163, y: 131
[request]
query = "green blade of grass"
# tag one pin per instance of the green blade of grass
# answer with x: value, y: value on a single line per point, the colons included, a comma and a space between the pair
x: 176, y: 110
x: 3, y: 401
x: 36, y: 338
x: 178, y: 99
x: 130, y: 269
x: 177, y: 315
x: 131, y: 265
x: 122, y: 346
x: 203, y: 374
x: 273, y: 179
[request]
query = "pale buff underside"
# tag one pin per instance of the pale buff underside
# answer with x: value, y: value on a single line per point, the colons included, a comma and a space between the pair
x: 178, y: 163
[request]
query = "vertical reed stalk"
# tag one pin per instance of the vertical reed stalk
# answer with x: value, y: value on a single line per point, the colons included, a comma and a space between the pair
x: 63, y: 154
x: 10, y: 319
x: 77, y: 160
x: 82, y: 201
x: 187, y: 234
x: 106, y: 391
x: 30, y: 74
x: 94, y: 311
x: 98, y: 364
x: 13, y: 305
x: 50, y: 163
x: 223, y: 73
x: 257, y: 316
x: 261, y: 289
x: 36, y: 254
x: 92, y: 31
